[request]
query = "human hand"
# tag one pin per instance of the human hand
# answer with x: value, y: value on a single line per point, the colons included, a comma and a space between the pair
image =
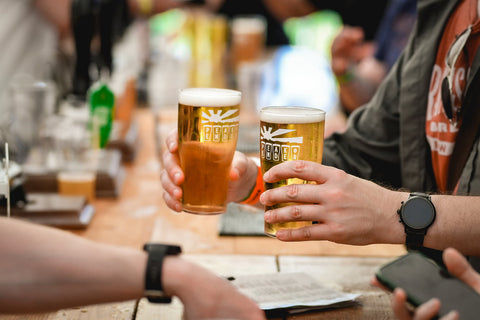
x: 243, y: 175
x: 458, y: 266
x: 349, y: 48
x: 205, y: 295
x: 348, y: 209
x: 426, y: 311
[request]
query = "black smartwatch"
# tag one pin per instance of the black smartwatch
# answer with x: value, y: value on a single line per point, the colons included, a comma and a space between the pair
x: 153, y: 275
x: 417, y: 214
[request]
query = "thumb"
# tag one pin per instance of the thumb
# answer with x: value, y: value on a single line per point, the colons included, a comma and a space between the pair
x: 458, y: 266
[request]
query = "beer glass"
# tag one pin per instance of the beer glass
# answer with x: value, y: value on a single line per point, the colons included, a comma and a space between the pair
x: 78, y: 162
x: 289, y: 133
x: 247, y: 39
x: 208, y: 131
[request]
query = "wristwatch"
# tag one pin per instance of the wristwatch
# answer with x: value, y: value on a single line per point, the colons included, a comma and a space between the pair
x: 417, y: 214
x: 153, y: 275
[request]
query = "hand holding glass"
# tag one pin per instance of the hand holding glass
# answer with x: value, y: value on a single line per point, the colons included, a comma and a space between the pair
x: 208, y: 131
x: 289, y: 133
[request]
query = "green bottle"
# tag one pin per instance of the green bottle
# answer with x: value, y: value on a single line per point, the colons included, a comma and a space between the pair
x: 102, y: 102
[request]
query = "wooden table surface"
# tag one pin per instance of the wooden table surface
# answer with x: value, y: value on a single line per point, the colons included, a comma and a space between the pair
x: 139, y: 215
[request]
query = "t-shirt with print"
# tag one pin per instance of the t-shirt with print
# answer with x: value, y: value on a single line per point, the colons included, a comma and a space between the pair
x: 441, y: 131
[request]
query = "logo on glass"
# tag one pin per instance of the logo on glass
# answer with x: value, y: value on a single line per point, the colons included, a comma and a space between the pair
x: 220, y: 127
x: 286, y: 148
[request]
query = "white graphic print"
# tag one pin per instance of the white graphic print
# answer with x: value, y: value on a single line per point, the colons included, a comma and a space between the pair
x: 219, y: 117
x: 223, y: 127
x: 266, y: 134
x: 276, y: 151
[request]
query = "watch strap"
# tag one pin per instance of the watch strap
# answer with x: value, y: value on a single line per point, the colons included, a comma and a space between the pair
x: 414, y: 241
x: 153, y: 274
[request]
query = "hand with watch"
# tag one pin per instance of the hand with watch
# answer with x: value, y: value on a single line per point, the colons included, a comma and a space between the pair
x: 203, y: 294
x: 72, y: 271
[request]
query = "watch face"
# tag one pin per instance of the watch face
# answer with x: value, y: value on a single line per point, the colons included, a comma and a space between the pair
x: 418, y: 213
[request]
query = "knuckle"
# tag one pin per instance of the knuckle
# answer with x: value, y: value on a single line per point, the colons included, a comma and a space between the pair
x: 339, y: 174
x: 295, y: 212
x: 292, y: 191
x: 306, y: 233
x: 299, y: 165
x: 166, y: 155
x: 288, y: 234
x: 273, y: 215
x: 335, y: 195
x: 164, y: 178
x: 163, y: 173
x: 166, y: 197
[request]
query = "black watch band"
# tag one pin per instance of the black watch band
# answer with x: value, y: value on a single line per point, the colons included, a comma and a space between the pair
x: 414, y: 241
x: 153, y: 274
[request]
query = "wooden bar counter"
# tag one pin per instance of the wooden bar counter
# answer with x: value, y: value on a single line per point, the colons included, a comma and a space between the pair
x: 139, y: 215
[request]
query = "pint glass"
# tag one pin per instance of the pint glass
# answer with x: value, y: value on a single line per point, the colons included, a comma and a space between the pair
x: 208, y: 131
x: 247, y: 40
x: 289, y: 133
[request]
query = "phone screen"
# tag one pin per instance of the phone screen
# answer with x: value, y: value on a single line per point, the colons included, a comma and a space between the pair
x: 422, y: 279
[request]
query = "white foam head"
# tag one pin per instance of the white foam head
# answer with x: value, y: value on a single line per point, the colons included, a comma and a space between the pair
x: 248, y: 24
x: 209, y: 97
x: 291, y: 115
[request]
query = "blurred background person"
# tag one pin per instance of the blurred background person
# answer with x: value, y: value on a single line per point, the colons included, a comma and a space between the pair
x: 277, y: 11
x: 360, y: 64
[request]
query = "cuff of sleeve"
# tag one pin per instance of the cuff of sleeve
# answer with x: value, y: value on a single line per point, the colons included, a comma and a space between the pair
x: 346, y: 77
x: 257, y: 190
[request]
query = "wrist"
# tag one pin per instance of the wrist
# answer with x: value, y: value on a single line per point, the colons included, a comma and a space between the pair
x: 391, y: 230
x: 257, y: 188
x: 155, y: 272
x: 346, y: 77
x: 174, y: 272
x: 181, y: 277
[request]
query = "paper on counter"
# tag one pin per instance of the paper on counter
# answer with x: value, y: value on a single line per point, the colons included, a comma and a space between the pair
x: 291, y: 290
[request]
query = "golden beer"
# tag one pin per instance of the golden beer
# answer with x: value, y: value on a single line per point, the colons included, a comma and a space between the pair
x: 77, y: 184
x: 248, y: 40
x: 208, y: 131
x: 289, y: 133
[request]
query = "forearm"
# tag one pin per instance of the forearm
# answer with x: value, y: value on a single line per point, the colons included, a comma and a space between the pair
x: 251, y: 179
x: 46, y: 269
x: 457, y: 223
x: 361, y: 83
x: 57, y: 12
x: 356, y: 211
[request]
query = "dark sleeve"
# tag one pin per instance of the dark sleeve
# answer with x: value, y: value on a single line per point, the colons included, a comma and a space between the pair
x: 394, y: 30
x: 369, y: 148
x: 365, y: 14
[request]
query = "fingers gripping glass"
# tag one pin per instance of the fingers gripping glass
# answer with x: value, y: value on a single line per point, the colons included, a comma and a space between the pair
x: 447, y: 82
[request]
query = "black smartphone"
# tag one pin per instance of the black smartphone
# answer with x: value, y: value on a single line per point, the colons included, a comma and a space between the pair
x: 423, y: 279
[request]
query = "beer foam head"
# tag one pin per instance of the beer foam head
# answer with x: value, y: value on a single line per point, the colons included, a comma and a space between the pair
x: 291, y: 115
x: 76, y: 177
x: 209, y: 97
x: 252, y: 24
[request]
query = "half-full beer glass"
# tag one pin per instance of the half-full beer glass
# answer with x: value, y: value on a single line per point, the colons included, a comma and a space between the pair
x: 289, y: 133
x: 208, y: 131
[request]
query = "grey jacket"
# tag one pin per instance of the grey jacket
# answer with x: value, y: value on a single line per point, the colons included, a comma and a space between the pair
x: 385, y: 140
